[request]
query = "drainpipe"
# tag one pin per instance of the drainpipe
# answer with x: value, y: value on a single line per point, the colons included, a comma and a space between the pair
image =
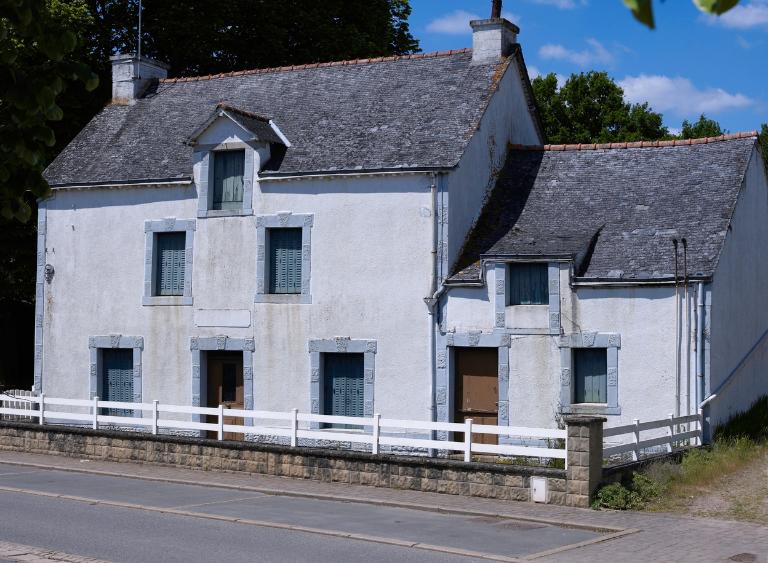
x: 432, y: 303
x: 687, y: 330
x: 677, y: 334
x: 700, y: 343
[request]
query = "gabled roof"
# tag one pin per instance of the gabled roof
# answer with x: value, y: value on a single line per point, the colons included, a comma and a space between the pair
x: 614, y: 211
x: 256, y: 127
x: 408, y: 112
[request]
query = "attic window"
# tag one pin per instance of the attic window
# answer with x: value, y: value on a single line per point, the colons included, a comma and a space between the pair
x: 528, y: 284
x: 228, y: 172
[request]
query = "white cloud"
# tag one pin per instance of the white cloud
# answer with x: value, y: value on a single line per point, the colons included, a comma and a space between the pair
x: 680, y: 96
x: 753, y: 14
x: 457, y: 22
x: 595, y: 54
x: 534, y: 72
x: 562, y: 4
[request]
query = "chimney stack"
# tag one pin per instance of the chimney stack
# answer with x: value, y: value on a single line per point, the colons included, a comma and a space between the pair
x: 132, y: 76
x: 493, y: 38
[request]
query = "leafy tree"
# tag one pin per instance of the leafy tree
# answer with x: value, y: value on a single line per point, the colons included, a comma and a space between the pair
x: 240, y: 34
x: 763, y: 140
x: 704, y: 127
x: 590, y: 108
x: 643, y: 9
x: 36, y: 39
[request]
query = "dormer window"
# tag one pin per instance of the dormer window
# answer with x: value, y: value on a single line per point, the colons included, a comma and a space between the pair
x: 528, y: 284
x: 228, y: 174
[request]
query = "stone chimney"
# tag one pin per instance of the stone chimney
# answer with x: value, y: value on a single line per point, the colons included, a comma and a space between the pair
x: 131, y: 76
x: 492, y: 39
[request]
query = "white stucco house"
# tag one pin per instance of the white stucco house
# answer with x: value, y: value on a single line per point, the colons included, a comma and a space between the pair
x: 390, y: 235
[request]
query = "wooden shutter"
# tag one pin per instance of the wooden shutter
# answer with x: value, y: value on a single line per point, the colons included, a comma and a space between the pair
x: 344, y: 388
x: 171, y: 263
x: 528, y: 284
x: 228, y: 171
x: 590, y: 374
x: 284, y: 260
x: 117, y: 378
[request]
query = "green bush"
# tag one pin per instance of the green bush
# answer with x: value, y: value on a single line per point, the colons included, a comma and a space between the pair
x: 618, y: 497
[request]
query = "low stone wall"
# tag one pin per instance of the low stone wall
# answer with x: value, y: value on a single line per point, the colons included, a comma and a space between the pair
x: 487, y: 480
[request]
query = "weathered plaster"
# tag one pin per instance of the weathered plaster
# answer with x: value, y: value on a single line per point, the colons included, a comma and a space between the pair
x: 40, y: 295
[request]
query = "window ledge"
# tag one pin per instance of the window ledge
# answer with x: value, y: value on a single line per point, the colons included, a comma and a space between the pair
x: 289, y: 298
x: 211, y: 213
x: 590, y: 408
x: 166, y: 300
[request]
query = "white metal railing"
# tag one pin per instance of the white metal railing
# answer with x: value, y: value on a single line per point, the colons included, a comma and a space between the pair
x: 374, y: 431
x: 676, y: 430
x: 16, y: 399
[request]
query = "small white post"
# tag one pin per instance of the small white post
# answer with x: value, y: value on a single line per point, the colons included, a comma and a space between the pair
x: 468, y: 440
x: 42, y: 408
x: 636, y: 451
x: 154, y: 416
x: 294, y: 427
x: 566, y: 448
x: 701, y: 427
x: 95, y: 409
x: 671, y: 431
x: 221, y: 422
x: 376, y: 433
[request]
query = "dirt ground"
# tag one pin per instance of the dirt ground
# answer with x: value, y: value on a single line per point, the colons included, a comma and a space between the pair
x: 742, y: 495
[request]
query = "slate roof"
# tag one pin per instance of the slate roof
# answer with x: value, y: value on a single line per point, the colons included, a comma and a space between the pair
x: 256, y: 124
x: 614, y: 211
x: 413, y: 111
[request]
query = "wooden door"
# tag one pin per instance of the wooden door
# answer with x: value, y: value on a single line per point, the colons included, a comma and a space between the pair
x: 225, y: 387
x: 477, y: 389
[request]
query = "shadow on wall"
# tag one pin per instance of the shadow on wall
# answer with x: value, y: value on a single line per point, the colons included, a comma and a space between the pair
x: 17, y: 345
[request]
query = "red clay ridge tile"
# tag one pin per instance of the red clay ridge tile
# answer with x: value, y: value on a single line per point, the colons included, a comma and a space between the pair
x: 636, y: 144
x: 318, y: 65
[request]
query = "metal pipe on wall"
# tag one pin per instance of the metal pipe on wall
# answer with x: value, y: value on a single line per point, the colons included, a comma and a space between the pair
x: 687, y: 329
x: 677, y: 332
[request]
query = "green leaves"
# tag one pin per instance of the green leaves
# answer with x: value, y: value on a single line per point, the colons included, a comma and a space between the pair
x: 715, y: 6
x: 38, y: 38
x: 643, y: 9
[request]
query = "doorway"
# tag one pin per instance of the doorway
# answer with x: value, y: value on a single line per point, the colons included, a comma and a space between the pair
x: 476, y: 378
x: 225, y: 387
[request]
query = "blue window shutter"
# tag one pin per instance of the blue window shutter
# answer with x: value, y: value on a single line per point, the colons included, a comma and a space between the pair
x: 343, y: 385
x: 284, y: 260
x: 528, y: 284
x: 117, y: 378
x: 590, y: 374
x: 171, y: 263
x: 228, y: 171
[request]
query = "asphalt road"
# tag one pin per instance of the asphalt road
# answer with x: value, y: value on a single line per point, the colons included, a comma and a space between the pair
x: 178, y: 522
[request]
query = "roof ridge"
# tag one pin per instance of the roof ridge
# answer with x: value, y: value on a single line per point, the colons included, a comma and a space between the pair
x: 290, y: 68
x: 637, y: 144
x: 228, y: 107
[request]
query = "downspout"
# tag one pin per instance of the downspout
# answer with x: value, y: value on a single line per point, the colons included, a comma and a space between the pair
x: 700, y: 346
x: 432, y: 303
x: 677, y: 334
x: 687, y: 330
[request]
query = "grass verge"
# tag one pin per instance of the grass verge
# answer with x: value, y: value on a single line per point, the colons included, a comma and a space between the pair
x: 718, y: 480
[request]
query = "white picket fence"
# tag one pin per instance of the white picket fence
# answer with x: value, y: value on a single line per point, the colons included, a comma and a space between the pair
x: 676, y: 430
x: 17, y: 399
x: 294, y: 425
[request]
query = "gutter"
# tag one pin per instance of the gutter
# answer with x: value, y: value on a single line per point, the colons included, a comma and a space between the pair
x: 353, y: 173
x: 184, y: 181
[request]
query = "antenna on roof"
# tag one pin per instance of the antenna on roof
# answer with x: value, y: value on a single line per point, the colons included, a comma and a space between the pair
x: 139, y: 42
x: 496, y: 9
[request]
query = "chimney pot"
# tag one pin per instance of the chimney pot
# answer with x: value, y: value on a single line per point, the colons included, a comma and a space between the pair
x: 131, y: 76
x: 492, y: 39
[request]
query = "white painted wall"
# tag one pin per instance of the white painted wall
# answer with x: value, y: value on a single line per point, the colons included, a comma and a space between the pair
x: 95, y: 242
x: 643, y: 316
x: 371, y: 266
x: 506, y: 120
x: 740, y: 301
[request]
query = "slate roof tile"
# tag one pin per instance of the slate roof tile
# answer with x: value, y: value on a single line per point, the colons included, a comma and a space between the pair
x: 615, y: 211
x: 416, y: 111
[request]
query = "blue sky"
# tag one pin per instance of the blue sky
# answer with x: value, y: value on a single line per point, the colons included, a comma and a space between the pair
x: 691, y: 63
